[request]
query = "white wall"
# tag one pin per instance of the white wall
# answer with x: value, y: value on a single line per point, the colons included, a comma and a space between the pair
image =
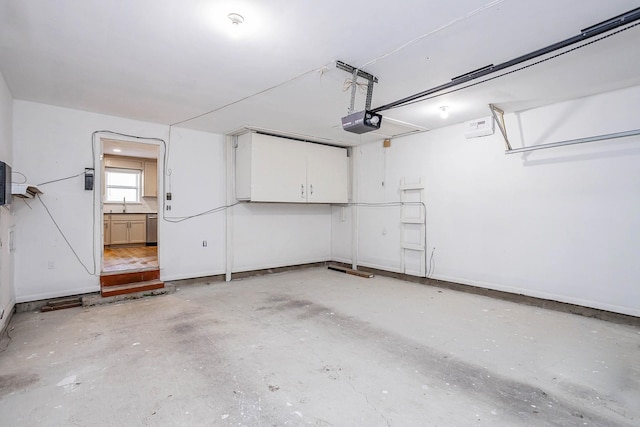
x: 53, y: 142
x: 562, y: 224
x: 341, y: 230
x: 7, y: 293
x: 263, y: 235
x: 197, y: 184
x: 269, y: 235
x: 559, y: 224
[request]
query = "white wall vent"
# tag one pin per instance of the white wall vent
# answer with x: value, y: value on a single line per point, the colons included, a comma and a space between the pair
x: 479, y: 127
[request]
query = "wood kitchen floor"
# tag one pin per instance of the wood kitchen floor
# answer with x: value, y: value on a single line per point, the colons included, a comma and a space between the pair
x: 134, y: 258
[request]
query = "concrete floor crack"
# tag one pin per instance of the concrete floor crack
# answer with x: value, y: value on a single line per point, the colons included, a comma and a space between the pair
x: 368, y: 402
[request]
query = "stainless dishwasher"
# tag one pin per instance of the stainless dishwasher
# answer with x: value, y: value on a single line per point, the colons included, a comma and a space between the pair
x: 152, y: 229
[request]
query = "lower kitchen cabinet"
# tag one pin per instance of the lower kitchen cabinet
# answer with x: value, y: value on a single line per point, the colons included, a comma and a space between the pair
x: 107, y: 230
x: 119, y: 232
x: 138, y: 230
x: 126, y: 229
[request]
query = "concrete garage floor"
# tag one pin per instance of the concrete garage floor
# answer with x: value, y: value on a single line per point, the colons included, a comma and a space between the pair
x: 317, y: 347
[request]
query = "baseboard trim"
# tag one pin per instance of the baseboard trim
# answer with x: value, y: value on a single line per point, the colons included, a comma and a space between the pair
x: 262, y: 272
x: 202, y: 280
x: 609, y: 316
x: 563, y: 307
x: 596, y: 313
x: 206, y: 280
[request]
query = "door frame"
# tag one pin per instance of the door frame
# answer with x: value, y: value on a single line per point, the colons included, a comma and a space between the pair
x: 98, y: 206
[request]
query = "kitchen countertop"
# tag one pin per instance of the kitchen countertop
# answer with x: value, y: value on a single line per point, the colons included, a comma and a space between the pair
x: 130, y: 213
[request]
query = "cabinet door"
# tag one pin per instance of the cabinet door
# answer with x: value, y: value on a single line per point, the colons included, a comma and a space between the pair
x: 123, y: 162
x: 327, y: 174
x: 107, y: 231
x: 150, y: 179
x: 119, y: 232
x: 243, y: 167
x: 278, y: 170
x: 138, y: 231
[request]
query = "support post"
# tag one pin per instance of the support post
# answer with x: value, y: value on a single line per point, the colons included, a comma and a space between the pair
x: 229, y: 144
x: 354, y: 208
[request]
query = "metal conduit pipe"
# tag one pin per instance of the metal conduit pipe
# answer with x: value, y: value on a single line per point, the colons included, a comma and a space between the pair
x: 574, y: 141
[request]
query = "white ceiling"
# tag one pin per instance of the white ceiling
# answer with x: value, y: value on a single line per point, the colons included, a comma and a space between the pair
x: 132, y: 149
x: 166, y: 61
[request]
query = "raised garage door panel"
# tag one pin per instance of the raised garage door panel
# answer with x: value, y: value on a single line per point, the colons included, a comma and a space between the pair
x: 278, y: 169
x: 327, y: 170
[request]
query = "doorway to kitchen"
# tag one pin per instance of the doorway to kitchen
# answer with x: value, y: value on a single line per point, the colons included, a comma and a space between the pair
x: 129, y: 177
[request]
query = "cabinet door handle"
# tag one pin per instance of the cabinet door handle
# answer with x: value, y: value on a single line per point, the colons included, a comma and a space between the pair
x: 311, y: 188
x: 302, y: 191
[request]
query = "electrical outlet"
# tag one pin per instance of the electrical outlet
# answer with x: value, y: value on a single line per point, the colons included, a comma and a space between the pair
x: 169, y: 196
x: 168, y: 207
x: 204, y: 243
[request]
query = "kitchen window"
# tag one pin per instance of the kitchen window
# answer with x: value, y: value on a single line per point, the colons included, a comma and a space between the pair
x: 122, y: 185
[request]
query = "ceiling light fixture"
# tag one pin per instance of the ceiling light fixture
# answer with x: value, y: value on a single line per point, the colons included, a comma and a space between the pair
x: 236, y: 18
x: 117, y: 150
x: 444, y: 112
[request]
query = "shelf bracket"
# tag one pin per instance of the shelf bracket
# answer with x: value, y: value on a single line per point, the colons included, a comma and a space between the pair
x: 498, y: 117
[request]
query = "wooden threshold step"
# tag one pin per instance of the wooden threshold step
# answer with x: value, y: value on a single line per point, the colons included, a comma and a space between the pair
x: 129, y: 288
x: 118, y: 279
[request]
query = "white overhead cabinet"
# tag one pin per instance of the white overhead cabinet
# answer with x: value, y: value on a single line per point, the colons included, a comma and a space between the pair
x: 273, y: 169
